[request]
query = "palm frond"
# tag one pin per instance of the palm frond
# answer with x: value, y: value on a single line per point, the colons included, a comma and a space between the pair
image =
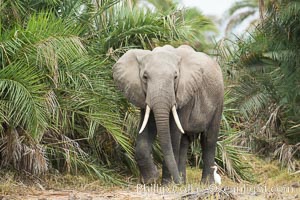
x: 252, y: 99
x: 238, y: 5
x: 237, y: 20
x: 163, y: 6
x: 22, y: 93
x: 231, y: 159
x: 266, y: 69
x: 22, y: 152
x: 56, y: 87
x: 11, y: 148
x: 286, y: 155
x: 66, y: 153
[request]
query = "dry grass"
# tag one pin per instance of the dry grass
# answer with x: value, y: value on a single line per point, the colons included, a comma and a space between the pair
x: 264, y: 172
x: 267, y: 174
x: 9, y: 185
x: 13, y: 183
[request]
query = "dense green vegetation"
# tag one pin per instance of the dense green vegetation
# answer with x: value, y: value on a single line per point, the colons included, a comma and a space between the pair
x: 263, y: 68
x: 60, y: 111
x: 58, y: 106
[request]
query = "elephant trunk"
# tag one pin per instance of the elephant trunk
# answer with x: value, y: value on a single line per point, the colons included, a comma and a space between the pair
x: 161, y: 112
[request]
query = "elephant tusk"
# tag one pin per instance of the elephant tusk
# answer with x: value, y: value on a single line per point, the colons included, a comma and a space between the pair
x: 146, y: 117
x: 176, y: 118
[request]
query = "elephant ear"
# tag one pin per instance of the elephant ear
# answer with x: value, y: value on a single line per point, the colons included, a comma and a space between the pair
x: 191, y: 74
x: 126, y: 76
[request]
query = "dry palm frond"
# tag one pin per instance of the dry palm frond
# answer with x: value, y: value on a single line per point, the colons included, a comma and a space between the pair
x: 34, y: 159
x: 67, y: 155
x: 286, y: 155
x: 11, y: 148
x: 271, y: 125
x: 22, y: 154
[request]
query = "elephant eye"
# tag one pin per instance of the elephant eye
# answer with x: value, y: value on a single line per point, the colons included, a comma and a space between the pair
x: 176, y: 75
x: 145, y: 77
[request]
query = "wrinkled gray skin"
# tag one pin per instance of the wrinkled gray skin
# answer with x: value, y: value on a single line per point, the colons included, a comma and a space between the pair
x: 169, y: 76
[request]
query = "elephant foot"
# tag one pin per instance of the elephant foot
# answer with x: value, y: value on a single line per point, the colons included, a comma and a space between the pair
x: 169, y: 180
x: 150, y: 177
x: 207, y: 180
x: 166, y: 181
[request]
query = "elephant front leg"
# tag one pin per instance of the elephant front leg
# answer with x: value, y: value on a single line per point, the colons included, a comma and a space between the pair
x: 143, y: 153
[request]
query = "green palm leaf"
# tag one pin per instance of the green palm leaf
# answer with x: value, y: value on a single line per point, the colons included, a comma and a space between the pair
x: 23, y: 94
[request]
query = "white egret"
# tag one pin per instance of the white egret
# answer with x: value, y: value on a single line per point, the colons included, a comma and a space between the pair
x: 217, y: 177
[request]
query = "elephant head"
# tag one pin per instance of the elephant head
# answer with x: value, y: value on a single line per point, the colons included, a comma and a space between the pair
x: 160, y: 80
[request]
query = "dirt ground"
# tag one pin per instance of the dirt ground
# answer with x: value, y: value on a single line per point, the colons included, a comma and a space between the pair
x: 271, y: 183
x: 141, y: 192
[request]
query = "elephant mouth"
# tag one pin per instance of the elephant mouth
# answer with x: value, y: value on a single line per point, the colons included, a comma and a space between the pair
x: 175, y: 115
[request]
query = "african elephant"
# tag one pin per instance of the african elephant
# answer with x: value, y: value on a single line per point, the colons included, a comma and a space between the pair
x: 181, y: 80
